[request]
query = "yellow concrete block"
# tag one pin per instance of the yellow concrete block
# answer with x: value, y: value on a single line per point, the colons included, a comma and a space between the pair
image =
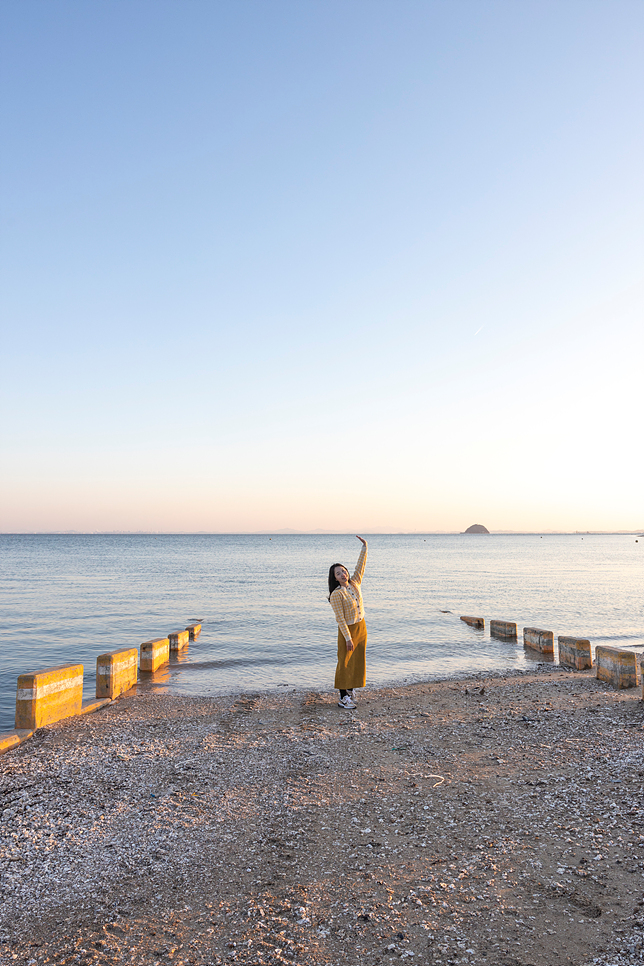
x: 575, y: 652
x: 616, y: 666
x: 478, y: 622
x: 11, y: 739
x: 538, y: 640
x: 154, y: 653
x: 503, y: 629
x: 116, y: 671
x: 178, y: 640
x: 194, y: 630
x: 94, y: 704
x: 46, y: 696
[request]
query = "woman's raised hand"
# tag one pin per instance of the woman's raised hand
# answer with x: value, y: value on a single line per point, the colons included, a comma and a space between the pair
x: 363, y: 542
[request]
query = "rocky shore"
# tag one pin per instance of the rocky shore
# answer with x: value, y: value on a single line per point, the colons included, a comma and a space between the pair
x: 497, y: 820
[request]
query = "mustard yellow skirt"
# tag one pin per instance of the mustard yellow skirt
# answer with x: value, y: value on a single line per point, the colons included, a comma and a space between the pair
x: 351, y: 671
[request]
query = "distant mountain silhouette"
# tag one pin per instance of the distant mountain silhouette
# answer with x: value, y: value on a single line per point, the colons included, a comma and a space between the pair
x: 477, y: 528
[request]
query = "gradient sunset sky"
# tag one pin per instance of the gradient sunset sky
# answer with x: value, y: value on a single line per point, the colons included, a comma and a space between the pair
x: 335, y: 265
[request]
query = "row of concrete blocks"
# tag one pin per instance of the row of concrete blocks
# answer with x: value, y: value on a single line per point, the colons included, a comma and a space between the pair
x: 154, y: 654
x: 53, y: 693
x: 116, y: 671
x: 614, y: 665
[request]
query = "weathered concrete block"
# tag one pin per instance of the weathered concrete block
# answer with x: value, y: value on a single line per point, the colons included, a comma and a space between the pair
x: 503, y: 629
x: 575, y: 652
x: 116, y: 671
x: 154, y: 653
x: 616, y: 666
x: 194, y: 630
x: 538, y: 640
x: 43, y: 697
x: 178, y: 640
x: 478, y: 622
x: 11, y: 739
x: 8, y: 740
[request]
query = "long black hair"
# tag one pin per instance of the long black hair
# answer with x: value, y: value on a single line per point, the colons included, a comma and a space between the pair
x: 333, y: 583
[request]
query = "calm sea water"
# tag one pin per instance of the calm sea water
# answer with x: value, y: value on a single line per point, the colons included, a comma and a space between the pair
x: 266, y: 621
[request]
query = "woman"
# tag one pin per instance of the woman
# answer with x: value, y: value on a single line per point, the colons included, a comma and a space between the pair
x: 346, y: 600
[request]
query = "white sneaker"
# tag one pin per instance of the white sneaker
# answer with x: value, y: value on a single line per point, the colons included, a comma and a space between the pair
x: 347, y: 703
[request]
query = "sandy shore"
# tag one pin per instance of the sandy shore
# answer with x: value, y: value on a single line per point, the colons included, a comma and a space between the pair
x: 498, y: 820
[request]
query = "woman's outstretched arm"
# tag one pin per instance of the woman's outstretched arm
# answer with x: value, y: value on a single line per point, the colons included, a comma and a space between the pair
x: 358, y: 573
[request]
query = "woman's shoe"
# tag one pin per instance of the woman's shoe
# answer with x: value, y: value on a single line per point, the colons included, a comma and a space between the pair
x: 347, y: 703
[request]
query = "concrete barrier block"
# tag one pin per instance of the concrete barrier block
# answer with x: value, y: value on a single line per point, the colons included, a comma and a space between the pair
x: 616, y: 666
x: 575, y: 652
x: 194, y: 630
x: 478, y: 622
x: 538, y: 640
x: 178, y: 640
x: 116, y: 671
x: 642, y: 673
x: 503, y: 629
x: 11, y: 739
x: 94, y: 704
x: 43, y: 697
x: 154, y: 653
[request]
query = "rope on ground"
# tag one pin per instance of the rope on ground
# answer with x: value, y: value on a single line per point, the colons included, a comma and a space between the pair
x: 437, y: 783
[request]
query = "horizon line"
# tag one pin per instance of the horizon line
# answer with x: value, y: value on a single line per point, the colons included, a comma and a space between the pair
x: 638, y: 531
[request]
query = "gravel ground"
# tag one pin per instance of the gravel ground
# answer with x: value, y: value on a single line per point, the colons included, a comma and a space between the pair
x: 497, y: 820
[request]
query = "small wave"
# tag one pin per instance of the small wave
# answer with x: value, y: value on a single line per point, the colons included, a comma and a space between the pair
x: 233, y: 662
x: 635, y: 639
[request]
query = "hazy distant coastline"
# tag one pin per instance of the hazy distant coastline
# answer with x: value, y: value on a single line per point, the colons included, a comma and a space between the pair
x: 286, y: 531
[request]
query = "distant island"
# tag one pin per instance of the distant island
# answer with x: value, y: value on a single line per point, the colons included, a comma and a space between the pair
x: 477, y: 528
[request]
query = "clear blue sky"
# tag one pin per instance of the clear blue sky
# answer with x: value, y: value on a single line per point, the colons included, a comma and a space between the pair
x: 321, y: 264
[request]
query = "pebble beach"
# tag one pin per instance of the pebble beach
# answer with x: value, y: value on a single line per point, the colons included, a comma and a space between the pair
x: 495, y: 820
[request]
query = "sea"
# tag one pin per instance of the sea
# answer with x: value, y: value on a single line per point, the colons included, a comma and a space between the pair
x: 267, y: 624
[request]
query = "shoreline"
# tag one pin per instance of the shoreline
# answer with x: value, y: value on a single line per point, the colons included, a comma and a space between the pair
x: 151, y: 686
x: 447, y: 821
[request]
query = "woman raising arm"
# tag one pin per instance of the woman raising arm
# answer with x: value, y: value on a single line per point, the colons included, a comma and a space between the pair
x: 345, y: 598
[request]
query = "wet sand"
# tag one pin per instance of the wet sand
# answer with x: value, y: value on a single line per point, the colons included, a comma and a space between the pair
x: 498, y: 820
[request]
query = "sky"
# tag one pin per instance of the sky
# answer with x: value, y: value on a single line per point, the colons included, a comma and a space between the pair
x: 339, y: 265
